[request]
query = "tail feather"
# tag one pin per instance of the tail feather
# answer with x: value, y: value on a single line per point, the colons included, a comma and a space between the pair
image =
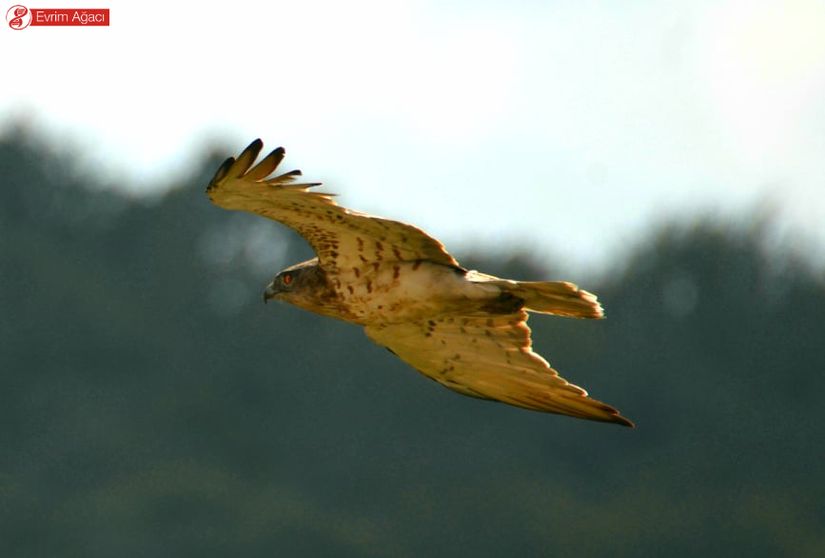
x: 557, y: 297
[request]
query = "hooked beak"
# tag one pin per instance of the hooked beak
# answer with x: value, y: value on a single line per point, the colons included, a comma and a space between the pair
x: 270, y: 292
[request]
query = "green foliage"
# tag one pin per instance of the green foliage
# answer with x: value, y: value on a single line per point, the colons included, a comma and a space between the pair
x: 153, y: 406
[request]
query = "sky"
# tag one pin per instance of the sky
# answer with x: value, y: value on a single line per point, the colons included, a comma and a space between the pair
x: 566, y: 128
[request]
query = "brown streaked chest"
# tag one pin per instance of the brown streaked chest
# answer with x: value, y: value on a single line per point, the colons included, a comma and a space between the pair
x: 393, y: 291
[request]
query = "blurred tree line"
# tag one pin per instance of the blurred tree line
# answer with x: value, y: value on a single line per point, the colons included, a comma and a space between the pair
x: 151, y: 405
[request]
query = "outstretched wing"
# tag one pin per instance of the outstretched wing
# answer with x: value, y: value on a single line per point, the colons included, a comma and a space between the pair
x: 343, y: 239
x: 490, y: 358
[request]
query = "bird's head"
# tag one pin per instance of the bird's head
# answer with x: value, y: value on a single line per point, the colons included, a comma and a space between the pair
x: 294, y: 284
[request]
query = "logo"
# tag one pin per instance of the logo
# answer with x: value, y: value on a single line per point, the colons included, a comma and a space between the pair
x: 19, y: 17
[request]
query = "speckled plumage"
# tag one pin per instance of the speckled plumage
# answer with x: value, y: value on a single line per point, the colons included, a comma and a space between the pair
x: 464, y: 329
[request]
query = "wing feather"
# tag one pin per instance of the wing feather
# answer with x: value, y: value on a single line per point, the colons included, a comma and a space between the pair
x: 490, y: 358
x: 343, y: 239
x: 267, y: 165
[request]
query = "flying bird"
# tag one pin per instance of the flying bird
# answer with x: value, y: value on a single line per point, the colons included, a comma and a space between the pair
x: 464, y: 329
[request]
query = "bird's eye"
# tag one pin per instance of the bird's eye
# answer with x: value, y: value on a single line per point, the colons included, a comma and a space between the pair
x: 286, y: 279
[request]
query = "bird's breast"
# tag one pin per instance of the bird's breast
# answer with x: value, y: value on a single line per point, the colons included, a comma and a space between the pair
x: 405, y: 291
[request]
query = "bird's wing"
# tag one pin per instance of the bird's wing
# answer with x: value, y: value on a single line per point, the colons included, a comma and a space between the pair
x: 489, y: 357
x: 343, y: 239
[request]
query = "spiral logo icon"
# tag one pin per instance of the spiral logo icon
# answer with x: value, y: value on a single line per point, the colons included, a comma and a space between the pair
x: 18, y: 17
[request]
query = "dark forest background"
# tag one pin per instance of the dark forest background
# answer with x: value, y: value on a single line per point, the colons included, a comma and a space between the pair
x: 151, y: 405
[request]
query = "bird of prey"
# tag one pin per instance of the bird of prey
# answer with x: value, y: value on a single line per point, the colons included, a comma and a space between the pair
x: 464, y: 329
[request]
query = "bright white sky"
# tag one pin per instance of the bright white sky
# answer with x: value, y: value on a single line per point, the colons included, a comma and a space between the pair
x: 570, y: 126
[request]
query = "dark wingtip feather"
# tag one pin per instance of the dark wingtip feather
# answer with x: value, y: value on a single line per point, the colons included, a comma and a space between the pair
x: 256, y: 146
x: 615, y: 416
x: 619, y: 419
x: 287, y: 180
x: 267, y: 165
x: 221, y: 173
x: 248, y: 156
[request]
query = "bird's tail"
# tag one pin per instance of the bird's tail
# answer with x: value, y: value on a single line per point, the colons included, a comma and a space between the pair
x: 556, y: 297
